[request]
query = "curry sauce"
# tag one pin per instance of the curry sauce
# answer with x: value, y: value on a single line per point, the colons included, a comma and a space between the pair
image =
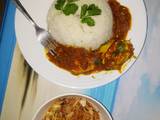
x: 109, y: 56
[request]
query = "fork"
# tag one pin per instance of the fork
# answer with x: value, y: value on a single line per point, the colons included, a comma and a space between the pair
x: 43, y: 36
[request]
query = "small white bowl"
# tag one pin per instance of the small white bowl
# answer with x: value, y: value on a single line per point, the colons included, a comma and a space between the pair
x: 104, y: 113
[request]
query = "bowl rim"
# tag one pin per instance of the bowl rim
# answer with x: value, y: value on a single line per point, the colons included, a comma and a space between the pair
x: 74, y: 94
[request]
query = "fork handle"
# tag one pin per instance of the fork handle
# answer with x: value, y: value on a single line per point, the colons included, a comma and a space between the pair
x: 24, y: 11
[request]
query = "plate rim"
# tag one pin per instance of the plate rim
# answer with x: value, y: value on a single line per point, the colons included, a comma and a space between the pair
x: 104, y: 82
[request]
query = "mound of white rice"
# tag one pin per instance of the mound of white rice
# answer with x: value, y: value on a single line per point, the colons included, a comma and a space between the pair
x: 68, y: 30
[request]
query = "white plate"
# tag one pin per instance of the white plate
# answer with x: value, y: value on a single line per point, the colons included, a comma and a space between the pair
x: 34, y: 52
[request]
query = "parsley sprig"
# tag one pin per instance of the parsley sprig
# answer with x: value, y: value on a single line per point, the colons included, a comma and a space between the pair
x: 68, y: 7
x: 87, y: 11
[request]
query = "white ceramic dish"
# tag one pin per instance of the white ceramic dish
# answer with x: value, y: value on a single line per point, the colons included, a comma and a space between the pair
x: 34, y: 52
x: 105, y: 115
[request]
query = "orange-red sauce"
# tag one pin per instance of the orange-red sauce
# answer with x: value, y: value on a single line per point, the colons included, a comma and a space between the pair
x: 110, y: 56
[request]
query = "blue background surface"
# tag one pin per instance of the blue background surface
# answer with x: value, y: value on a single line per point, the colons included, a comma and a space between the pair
x: 7, y: 44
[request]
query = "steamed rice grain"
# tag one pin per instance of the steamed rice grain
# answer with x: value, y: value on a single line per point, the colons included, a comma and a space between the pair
x: 68, y: 30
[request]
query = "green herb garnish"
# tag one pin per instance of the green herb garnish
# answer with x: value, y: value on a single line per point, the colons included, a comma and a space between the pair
x: 59, y: 5
x: 70, y: 8
x: 98, y: 62
x: 115, y: 53
x: 72, y: 0
x: 84, y: 10
x: 88, y: 20
x: 87, y: 12
x: 93, y: 10
x: 121, y: 47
